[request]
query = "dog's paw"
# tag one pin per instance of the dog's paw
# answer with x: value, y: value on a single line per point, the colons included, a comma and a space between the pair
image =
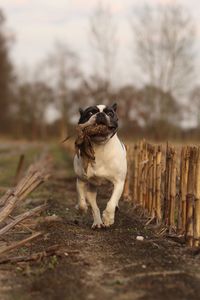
x: 108, y: 218
x: 97, y: 225
x: 82, y: 208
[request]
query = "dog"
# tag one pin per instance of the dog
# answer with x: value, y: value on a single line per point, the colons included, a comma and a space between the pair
x: 110, y: 164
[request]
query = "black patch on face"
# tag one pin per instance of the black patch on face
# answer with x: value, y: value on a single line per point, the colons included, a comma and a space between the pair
x: 111, y: 113
x: 87, y: 114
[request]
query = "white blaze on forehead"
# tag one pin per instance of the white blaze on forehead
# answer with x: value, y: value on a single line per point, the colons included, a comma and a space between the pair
x: 101, y: 107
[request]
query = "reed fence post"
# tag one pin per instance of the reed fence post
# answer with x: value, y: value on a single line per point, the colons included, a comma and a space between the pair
x: 196, y: 241
x: 172, y: 191
x: 126, y: 192
x: 144, y: 173
x: 181, y: 189
x: 150, y: 176
x: 190, y: 198
x: 167, y: 185
x: 140, y: 168
x: 153, y: 204
x: 158, y: 184
x: 184, y: 165
x: 135, y: 175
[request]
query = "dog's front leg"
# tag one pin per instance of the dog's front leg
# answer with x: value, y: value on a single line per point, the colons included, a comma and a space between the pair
x: 91, y: 198
x: 81, y: 191
x: 109, y: 212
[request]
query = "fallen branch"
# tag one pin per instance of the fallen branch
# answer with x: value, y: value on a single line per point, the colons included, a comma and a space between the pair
x: 36, y: 175
x: 19, y: 168
x: 160, y: 273
x: 38, y: 256
x: 20, y: 243
x: 22, y: 217
x: 53, y: 250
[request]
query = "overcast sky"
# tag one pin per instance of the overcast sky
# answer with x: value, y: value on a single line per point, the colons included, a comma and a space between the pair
x: 37, y: 24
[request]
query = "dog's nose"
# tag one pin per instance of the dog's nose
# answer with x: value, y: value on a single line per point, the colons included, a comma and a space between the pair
x: 101, y: 119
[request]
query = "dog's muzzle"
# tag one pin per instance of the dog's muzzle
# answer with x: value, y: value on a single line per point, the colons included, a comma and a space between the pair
x: 101, y: 119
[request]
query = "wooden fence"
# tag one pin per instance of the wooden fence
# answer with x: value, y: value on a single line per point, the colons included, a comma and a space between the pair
x: 165, y: 182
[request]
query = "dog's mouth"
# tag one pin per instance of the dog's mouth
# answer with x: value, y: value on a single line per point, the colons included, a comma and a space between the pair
x: 104, y: 135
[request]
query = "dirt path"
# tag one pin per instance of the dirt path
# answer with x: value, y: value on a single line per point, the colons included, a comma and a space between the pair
x: 104, y: 264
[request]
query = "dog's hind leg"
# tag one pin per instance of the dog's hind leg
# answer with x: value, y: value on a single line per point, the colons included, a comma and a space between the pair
x: 91, y: 197
x: 81, y: 187
x: 109, y: 212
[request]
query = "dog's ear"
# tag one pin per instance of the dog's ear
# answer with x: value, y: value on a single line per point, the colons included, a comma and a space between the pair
x: 81, y: 111
x: 114, y: 106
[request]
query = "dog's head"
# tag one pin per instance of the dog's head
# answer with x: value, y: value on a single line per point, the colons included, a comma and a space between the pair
x: 100, y: 114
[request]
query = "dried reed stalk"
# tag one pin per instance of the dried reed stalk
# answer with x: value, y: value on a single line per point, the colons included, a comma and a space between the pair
x: 184, y: 165
x: 135, y: 175
x: 145, y: 171
x: 140, y: 177
x: 22, y: 217
x: 153, y: 204
x: 36, y: 174
x: 126, y: 192
x: 185, y: 188
x: 173, y: 173
x: 190, y: 197
x: 158, y: 184
x: 167, y: 186
x: 196, y: 241
x: 150, y: 178
x: 181, y: 187
x: 19, y: 168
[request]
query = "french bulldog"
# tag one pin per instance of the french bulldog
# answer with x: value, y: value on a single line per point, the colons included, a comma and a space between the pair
x: 110, y: 164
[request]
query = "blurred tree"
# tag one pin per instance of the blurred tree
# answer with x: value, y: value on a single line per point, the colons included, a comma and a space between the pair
x: 102, y: 35
x: 64, y: 76
x: 128, y: 101
x: 152, y: 110
x: 33, y: 99
x: 137, y: 108
x: 194, y: 105
x: 164, y: 47
x: 6, y: 74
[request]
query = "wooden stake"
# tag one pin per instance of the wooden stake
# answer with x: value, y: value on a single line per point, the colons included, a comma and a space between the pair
x: 135, y: 175
x: 158, y: 185
x: 140, y: 167
x: 150, y: 175
x: 167, y: 186
x: 153, y: 206
x: 172, y: 185
x: 190, y: 198
x: 197, y: 202
x: 181, y: 186
x: 145, y: 170
x: 184, y: 188
x: 126, y: 192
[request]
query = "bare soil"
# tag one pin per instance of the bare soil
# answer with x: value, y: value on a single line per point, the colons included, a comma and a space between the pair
x: 100, y: 264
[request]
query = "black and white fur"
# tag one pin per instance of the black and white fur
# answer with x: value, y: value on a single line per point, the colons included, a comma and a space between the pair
x: 110, y: 163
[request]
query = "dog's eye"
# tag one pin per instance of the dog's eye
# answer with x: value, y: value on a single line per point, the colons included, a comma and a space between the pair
x: 90, y: 113
x: 110, y: 113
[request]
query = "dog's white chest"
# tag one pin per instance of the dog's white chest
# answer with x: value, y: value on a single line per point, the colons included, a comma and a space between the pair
x: 97, y: 172
x: 110, y: 163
